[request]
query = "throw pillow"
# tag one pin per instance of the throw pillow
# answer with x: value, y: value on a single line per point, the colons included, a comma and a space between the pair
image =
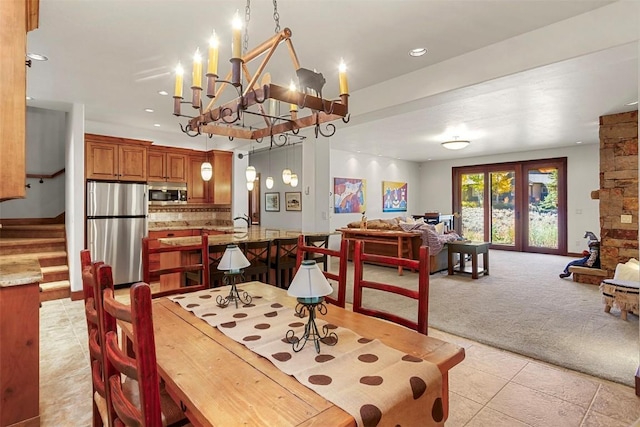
x: 440, y: 228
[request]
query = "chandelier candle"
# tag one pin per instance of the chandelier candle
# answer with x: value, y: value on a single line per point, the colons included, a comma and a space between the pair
x: 197, y: 79
x: 177, y: 94
x: 342, y: 78
x: 212, y: 66
x: 236, y: 50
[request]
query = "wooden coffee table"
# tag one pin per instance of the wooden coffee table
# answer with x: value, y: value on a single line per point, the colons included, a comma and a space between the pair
x: 473, y: 249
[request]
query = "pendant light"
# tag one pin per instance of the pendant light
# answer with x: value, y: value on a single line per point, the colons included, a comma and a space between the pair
x: 294, y: 176
x: 269, y: 181
x: 251, y: 173
x: 250, y: 185
x: 206, y: 170
x: 286, y: 173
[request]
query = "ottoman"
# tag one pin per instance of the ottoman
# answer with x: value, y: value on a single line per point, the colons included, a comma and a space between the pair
x: 622, y: 294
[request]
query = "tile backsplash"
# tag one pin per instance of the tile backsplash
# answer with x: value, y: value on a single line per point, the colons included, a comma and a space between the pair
x: 190, y: 215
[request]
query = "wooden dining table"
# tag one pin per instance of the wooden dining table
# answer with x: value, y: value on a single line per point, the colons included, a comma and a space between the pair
x: 220, y: 382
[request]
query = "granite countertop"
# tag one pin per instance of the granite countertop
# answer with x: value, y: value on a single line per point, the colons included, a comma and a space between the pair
x: 239, y: 235
x: 20, y: 271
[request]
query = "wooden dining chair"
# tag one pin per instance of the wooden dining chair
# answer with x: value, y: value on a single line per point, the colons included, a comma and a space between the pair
x: 421, y: 294
x: 259, y: 255
x: 134, y: 395
x: 199, y: 265
x: 319, y: 242
x: 98, y: 395
x: 312, y: 252
x: 284, y: 260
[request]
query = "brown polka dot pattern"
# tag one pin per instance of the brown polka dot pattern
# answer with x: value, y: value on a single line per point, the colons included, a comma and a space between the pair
x: 418, y: 387
x: 262, y: 326
x: 409, y: 358
x: 330, y: 326
x: 252, y: 338
x: 206, y: 296
x: 296, y: 324
x: 364, y: 340
x: 178, y: 297
x: 371, y: 380
x: 321, y: 358
x: 282, y: 356
x: 320, y: 379
x: 370, y: 415
x: 240, y: 315
x: 271, y: 314
x: 368, y: 358
x: 437, y: 412
x: 228, y: 325
x: 249, y: 305
x: 192, y: 305
x: 209, y: 314
x: 276, y: 305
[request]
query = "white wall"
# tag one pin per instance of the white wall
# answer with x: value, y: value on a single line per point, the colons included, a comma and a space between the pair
x: 45, y: 155
x: 374, y: 170
x: 74, y: 188
x: 583, y: 166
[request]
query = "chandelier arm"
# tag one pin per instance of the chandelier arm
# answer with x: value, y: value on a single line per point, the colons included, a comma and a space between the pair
x: 346, y: 118
x: 264, y: 62
x: 189, y: 130
x: 230, y: 112
x: 329, y: 126
x: 333, y: 102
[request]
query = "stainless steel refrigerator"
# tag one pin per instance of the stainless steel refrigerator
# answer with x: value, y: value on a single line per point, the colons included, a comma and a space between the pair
x: 116, y: 224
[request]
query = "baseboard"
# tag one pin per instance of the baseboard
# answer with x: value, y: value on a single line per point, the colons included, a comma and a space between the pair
x: 76, y: 295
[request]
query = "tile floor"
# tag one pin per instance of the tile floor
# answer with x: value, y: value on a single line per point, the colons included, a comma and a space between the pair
x: 490, y: 388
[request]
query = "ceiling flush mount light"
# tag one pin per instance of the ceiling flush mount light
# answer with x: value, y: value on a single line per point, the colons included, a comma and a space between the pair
x: 228, y: 119
x: 37, y: 57
x: 417, y: 52
x: 309, y: 286
x: 456, y: 144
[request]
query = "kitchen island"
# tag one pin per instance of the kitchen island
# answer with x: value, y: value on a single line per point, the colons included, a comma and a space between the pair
x: 218, y: 236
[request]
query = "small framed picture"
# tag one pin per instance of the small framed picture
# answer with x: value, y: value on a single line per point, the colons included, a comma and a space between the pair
x: 272, y: 202
x: 293, y: 201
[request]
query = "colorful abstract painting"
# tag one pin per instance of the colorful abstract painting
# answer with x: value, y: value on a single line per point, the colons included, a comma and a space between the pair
x: 394, y: 196
x: 349, y: 195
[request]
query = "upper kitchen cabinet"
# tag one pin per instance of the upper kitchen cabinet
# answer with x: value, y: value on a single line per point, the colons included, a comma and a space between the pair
x: 218, y: 190
x: 17, y: 17
x: 165, y: 164
x: 115, y: 159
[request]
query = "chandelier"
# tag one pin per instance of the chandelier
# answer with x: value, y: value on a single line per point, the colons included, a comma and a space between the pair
x: 307, y: 107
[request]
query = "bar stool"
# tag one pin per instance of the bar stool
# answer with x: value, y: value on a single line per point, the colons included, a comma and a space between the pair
x: 318, y: 242
x: 259, y: 255
x: 216, y: 277
x: 284, y: 260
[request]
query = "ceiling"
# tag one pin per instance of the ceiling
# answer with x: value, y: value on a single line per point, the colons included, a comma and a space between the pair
x: 114, y: 56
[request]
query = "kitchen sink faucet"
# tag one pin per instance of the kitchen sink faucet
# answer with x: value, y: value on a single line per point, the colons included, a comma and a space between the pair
x: 245, y: 218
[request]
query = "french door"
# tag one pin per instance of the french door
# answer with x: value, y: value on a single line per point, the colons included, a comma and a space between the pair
x: 518, y: 206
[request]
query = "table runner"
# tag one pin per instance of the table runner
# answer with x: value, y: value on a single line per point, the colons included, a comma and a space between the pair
x: 376, y: 384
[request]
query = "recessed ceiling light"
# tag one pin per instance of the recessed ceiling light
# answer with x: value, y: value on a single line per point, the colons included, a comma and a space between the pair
x: 163, y: 92
x: 29, y: 98
x: 157, y: 125
x: 578, y: 142
x: 37, y: 57
x: 379, y: 155
x: 633, y: 103
x: 149, y: 110
x: 417, y: 52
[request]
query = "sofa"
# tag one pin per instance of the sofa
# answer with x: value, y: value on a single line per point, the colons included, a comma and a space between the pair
x: 383, y: 236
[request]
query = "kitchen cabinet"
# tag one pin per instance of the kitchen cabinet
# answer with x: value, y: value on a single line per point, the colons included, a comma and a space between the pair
x: 154, y: 259
x: 166, y: 165
x: 218, y: 190
x: 115, y: 159
x: 17, y: 19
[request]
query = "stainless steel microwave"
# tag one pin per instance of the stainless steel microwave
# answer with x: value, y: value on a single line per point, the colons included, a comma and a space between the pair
x: 167, y: 193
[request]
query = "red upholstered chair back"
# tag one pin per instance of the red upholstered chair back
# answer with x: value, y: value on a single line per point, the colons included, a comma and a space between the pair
x: 305, y: 250
x: 95, y: 342
x: 421, y: 294
x: 119, y: 365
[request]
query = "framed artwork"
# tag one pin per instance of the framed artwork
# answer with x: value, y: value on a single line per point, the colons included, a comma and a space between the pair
x: 272, y: 202
x: 293, y: 201
x: 394, y: 196
x: 349, y: 195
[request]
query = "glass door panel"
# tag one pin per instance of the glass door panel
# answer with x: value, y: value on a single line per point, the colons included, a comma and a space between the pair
x: 472, y: 209
x: 503, y: 213
x: 543, y: 207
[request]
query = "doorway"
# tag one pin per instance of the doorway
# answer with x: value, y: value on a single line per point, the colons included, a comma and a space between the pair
x: 254, y: 202
x: 518, y: 206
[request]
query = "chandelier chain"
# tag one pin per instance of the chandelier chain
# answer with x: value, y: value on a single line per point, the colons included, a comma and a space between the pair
x: 276, y: 16
x: 247, y: 18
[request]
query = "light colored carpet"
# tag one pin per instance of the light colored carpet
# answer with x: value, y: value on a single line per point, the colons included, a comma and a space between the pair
x: 524, y: 307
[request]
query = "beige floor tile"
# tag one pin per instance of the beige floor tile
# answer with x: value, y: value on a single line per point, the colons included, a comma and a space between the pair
x: 559, y: 383
x: 444, y: 336
x: 594, y: 419
x: 495, y: 362
x: 489, y: 418
x: 474, y: 384
x: 58, y: 367
x: 618, y: 402
x: 536, y: 408
x: 461, y: 410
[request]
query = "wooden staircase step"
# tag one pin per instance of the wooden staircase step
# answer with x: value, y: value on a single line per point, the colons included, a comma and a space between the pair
x: 55, y: 290
x: 39, y: 230
x: 55, y: 273
x: 47, y: 259
x: 13, y: 246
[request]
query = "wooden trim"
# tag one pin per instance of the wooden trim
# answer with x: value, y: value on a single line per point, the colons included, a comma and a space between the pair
x: 53, y: 175
x: 33, y: 14
x: 76, y: 295
x: 60, y: 219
